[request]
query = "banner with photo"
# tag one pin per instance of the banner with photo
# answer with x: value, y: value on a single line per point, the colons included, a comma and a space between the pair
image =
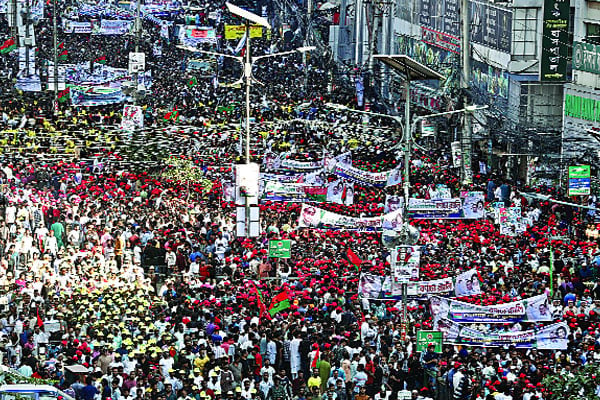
x: 423, y: 289
x: 275, y: 162
x: 533, y: 309
x: 89, y: 97
x: 290, y: 192
x: 362, y: 177
x: 112, y: 27
x: 469, y: 207
x: 70, y: 26
x: 314, y: 217
x: 81, y: 74
x: 551, y: 337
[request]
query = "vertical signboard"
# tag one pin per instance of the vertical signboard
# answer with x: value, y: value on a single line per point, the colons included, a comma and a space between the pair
x: 579, y: 180
x: 555, y: 36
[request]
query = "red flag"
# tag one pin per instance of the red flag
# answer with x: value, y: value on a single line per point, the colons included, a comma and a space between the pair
x: 354, y: 259
x: 40, y: 323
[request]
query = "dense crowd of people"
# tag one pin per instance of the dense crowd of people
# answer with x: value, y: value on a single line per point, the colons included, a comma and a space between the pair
x: 139, y: 278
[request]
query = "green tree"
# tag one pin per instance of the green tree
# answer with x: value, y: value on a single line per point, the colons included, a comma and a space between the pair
x: 582, y: 385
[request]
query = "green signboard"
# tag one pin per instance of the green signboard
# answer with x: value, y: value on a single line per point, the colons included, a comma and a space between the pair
x: 426, y: 337
x: 280, y: 248
x: 582, y: 108
x: 555, y: 41
x: 586, y: 57
x: 579, y: 180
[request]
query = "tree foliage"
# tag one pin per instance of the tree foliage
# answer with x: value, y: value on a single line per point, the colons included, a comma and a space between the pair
x: 575, y: 386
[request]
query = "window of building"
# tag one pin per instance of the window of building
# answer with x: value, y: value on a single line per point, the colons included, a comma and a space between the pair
x: 525, y: 33
x: 592, y: 33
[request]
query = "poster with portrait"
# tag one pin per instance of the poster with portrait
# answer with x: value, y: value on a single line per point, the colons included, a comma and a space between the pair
x: 133, y: 118
x: 473, y: 205
x: 349, y: 194
x: 228, y: 191
x: 405, y: 263
x: 335, y: 191
x: 538, y: 308
x: 393, y: 220
x: 439, y: 307
x: 467, y: 284
x: 392, y: 203
x: 369, y: 286
x: 310, y: 216
x: 395, y: 176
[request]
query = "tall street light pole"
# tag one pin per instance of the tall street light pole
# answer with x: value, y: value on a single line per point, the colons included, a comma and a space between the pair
x: 248, y: 62
x: 55, y: 40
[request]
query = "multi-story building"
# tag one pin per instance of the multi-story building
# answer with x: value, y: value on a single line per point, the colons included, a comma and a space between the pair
x: 581, y: 112
x: 520, y: 63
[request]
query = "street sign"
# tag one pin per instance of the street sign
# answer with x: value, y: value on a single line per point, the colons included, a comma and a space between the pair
x: 137, y: 62
x: 426, y: 337
x: 579, y: 180
x: 280, y: 248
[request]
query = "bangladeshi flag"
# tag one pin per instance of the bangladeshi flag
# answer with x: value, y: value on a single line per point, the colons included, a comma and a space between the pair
x: 8, y: 46
x: 262, y: 308
x: 64, y: 95
x: 100, y: 60
x: 192, y: 82
x: 279, y: 303
x: 63, y: 55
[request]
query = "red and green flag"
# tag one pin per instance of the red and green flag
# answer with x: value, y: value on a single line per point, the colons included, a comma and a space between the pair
x: 262, y: 308
x: 64, y: 95
x: 354, y: 259
x: 8, y: 46
x: 100, y: 60
x: 192, y: 82
x: 279, y: 303
x: 316, y: 362
x: 172, y: 115
x: 63, y: 55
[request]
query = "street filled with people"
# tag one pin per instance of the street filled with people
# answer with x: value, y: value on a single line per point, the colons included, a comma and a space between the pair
x: 125, y: 273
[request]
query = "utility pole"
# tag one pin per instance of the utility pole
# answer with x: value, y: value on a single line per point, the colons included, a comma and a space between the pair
x: 307, y: 42
x: 55, y: 40
x: 248, y: 76
x: 137, y: 49
x: 358, y: 28
x: 27, y: 38
x: 467, y: 145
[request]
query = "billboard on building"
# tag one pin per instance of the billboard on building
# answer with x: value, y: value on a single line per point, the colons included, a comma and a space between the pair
x: 555, y: 41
